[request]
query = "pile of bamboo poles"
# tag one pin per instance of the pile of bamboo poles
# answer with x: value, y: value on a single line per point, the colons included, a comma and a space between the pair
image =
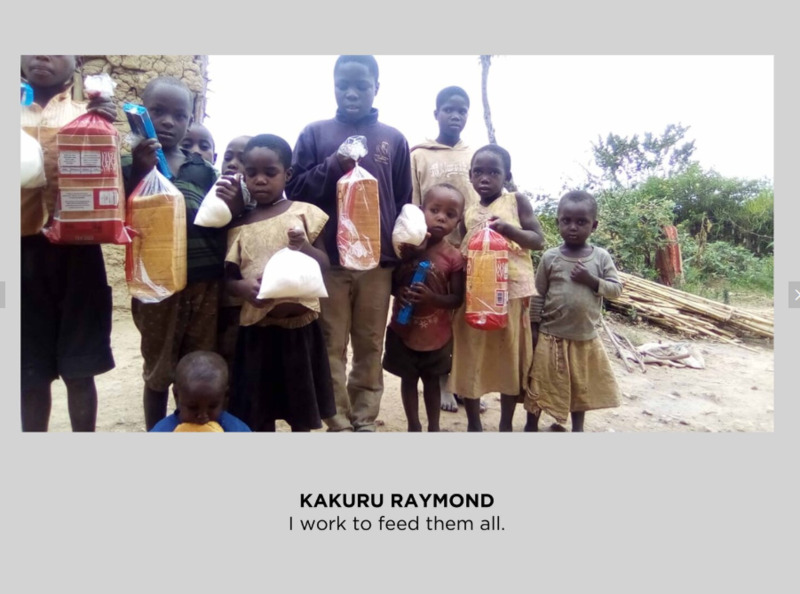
x: 686, y: 313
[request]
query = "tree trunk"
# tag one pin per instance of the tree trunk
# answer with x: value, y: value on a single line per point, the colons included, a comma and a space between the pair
x: 486, y: 62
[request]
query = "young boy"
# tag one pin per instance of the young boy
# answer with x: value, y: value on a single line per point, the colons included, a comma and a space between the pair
x: 198, y: 140
x: 201, y: 382
x: 187, y: 320
x: 571, y: 281
x: 358, y: 301
x: 65, y: 298
x: 423, y: 347
x: 446, y: 159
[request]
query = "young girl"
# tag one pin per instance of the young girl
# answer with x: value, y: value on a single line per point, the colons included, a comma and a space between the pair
x: 497, y: 360
x: 572, y: 371
x: 281, y: 369
x: 422, y: 348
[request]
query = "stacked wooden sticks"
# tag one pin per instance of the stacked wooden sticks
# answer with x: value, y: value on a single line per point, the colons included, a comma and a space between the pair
x: 688, y: 314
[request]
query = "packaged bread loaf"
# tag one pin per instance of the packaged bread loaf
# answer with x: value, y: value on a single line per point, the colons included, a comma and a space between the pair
x: 358, y: 232
x: 487, y: 280
x: 155, y: 263
x: 90, y: 199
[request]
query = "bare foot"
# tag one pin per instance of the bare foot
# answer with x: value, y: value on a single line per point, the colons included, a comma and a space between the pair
x: 449, y: 403
x: 558, y: 428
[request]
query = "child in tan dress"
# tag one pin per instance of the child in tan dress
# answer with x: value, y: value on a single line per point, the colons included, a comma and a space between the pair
x: 571, y: 371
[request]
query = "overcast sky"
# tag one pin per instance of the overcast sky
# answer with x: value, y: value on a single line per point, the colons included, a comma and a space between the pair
x: 546, y: 109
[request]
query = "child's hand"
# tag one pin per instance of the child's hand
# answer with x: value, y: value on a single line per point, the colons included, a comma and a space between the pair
x: 499, y: 225
x: 144, y: 155
x: 419, y: 294
x: 582, y: 276
x: 103, y: 107
x: 297, y: 239
x: 229, y: 190
x: 346, y: 163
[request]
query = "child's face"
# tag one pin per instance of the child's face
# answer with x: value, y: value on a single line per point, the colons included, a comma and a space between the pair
x: 443, y: 209
x: 233, y: 158
x: 170, y: 110
x: 452, y: 116
x: 265, y: 175
x: 355, y: 89
x: 575, y: 222
x: 198, y: 140
x: 200, y: 403
x: 488, y: 175
x: 46, y: 72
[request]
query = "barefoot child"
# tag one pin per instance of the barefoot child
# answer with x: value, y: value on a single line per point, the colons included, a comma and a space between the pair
x: 423, y: 347
x: 201, y: 380
x: 571, y: 281
x: 65, y: 305
x: 446, y: 160
x: 497, y: 360
x: 281, y: 368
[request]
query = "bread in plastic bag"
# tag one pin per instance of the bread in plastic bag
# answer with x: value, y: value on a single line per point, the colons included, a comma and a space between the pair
x: 90, y: 200
x: 358, y: 233
x: 31, y: 162
x: 210, y: 427
x: 155, y: 260
x: 487, y: 280
x: 291, y: 274
x: 410, y: 227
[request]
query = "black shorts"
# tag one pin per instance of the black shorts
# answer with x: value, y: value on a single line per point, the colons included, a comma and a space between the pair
x: 402, y: 361
x: 65, y: 312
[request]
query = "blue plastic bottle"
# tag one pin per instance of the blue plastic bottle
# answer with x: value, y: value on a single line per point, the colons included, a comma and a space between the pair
x: 25, y: 93
x: 404, y: 315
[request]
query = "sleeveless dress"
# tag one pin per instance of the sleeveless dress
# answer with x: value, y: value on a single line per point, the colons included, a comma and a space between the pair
x: 487, y: 361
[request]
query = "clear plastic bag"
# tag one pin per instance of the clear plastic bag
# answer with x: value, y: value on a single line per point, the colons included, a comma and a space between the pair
x: 487, y: 280
x: 90, y: 201
x: 358, y: 234
x: 213, y: 211
x: 410, y: 227
x: 155, y: 260
x: 292, y: 274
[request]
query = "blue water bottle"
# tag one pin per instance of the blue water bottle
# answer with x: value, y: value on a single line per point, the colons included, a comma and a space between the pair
x: 404, y: 316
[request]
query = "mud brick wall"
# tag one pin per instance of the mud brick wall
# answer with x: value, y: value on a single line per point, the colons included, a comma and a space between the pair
x: 133, y: 72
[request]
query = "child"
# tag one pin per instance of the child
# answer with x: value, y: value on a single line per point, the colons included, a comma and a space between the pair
x: 281, y: 366
x: 571, y: 281
x: 230, y: 307
x: 497, y: 360
x: 198, y: 140
x: 446, y: 159
x: 423, y: 347
x: 201, y: 380
x: 65, y: 305
x: 358, y: 301
x: 187, y: 320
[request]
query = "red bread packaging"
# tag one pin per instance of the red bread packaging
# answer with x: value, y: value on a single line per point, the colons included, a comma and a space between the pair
x: 358, y: 232
x: 487, y: 280
x: 90, y: 202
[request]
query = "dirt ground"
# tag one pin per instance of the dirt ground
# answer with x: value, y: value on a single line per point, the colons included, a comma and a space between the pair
x: 735, y: 391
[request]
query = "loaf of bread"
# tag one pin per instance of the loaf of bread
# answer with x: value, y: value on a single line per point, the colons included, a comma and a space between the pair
x: 156, y: 256
x: 210, y: 427
x: 358, y: 235
x: 487, y: 281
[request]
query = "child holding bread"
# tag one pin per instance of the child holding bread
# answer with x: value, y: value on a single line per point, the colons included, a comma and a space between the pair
x: 358, y: 302
x: 281, y: 367
x: 65, y: 304
x: 187, y: 320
